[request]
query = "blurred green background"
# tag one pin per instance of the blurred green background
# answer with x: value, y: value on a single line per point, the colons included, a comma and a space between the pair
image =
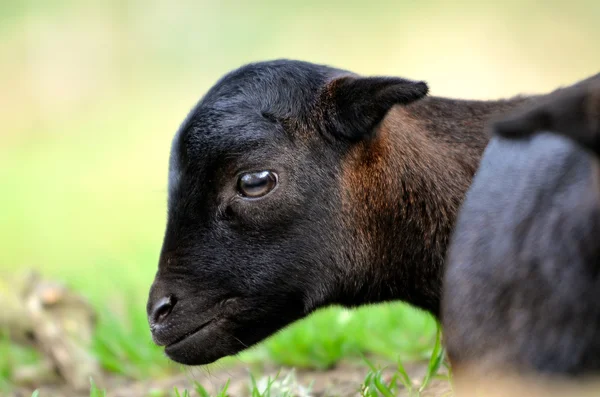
x: 91, y: 93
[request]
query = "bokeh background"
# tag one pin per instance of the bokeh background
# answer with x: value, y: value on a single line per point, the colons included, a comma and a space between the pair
x: 91, y: 93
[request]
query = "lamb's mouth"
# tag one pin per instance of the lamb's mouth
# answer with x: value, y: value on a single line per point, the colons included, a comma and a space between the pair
x: 218, y: 313
x: 210, y: 340
x: 188, y: 335
x: 201, y: 346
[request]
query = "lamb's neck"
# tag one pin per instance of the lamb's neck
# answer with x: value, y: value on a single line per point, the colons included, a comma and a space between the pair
x: 421, y: 162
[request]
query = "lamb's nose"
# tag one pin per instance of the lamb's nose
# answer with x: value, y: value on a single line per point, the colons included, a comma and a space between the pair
x: 161, y: 310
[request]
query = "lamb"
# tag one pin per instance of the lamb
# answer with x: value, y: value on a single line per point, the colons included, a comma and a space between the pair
x: 293, y: 186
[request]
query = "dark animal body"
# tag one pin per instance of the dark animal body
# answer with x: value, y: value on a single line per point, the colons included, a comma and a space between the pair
x: 573, y: 112
x: 521, y: 294
x: 293, y: 186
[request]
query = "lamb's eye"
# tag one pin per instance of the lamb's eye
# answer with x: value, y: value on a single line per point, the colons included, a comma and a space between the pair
x: 257, y: 184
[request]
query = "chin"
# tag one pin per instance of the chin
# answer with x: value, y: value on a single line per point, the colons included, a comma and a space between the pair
x: 205, y: 345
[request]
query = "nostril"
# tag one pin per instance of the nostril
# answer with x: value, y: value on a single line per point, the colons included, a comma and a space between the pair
x: 162, y: 309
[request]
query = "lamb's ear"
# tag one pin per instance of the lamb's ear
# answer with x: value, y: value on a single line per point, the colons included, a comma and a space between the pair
x: 353, y: 106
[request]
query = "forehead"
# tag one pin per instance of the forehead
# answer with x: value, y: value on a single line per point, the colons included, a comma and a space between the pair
x: 238, y: 114
x: 283, y: 87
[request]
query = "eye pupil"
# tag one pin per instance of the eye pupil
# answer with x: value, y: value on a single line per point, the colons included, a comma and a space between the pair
x: 257, y: 184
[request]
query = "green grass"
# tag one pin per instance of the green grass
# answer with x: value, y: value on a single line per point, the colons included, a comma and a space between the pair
x: 123, y: 344
x: 374, y: 384
x: 12, y: 356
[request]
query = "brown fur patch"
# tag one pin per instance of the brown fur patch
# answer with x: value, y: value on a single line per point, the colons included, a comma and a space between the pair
x: 401, y: 192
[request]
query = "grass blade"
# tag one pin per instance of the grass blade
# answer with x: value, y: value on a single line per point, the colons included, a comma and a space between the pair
x: 379, y: 384
x: 94, y: 391
x: 435, y: 362
x: 404, y: 378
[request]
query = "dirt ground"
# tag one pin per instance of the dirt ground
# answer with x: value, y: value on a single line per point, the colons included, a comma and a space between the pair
x: 343, y: 381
